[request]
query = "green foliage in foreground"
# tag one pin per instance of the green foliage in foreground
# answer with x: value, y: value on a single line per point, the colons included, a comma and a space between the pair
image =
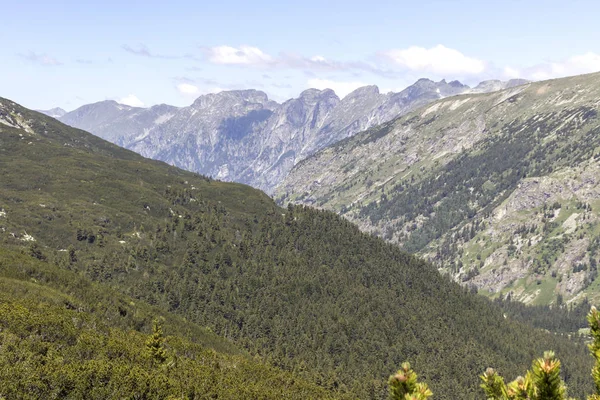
x: 50, y: 351
x: 404, y: 385
x: 542, y: 382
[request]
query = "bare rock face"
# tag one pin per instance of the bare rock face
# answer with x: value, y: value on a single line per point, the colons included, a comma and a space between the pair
x: 243, y: 136
x: 118, y: 123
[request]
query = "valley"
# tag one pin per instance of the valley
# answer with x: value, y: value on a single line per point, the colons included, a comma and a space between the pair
x: 334, y: 200
x: 93, y: 232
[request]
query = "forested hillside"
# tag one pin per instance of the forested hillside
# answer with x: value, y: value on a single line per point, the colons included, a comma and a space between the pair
x: 102, y: 241
x: 64, y: 337
x: 499, y: 190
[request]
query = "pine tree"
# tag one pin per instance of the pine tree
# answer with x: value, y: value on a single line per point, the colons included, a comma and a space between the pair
x: 545, y: 376
x: 519, y: 388
x: 542, y: 381
x: 594, y: 322
x: 404, y: 385
x: 155, y: 345
x: 493, y: 385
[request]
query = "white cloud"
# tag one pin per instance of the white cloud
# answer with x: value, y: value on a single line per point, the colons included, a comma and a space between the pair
x: 131, y: 101
x: 341, y: 88
x: 187, y: 88
x: 575, y: 65
x: 250, y: 56
x: 243, y: 55
x: 512, y: 73
x: 439, y: 60
x: 414, y: 61
x: 588, y: 62
x: 42, y: 59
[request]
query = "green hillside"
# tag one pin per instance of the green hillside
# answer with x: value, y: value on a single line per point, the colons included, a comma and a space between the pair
x: 88, y: 345
x: 88, y: 228
x: 499, y: 190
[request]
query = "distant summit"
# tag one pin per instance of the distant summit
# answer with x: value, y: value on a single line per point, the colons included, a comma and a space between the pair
x: 495, y: 85
x: 55, y: 112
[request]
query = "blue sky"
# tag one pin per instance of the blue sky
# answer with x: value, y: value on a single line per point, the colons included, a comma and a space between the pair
x: 69, y: 53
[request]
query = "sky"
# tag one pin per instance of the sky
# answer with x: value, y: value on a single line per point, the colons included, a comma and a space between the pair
x: 141, y: 53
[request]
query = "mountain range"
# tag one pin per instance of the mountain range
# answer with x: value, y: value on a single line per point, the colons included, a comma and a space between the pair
x: 499, y: 190
x: 245, y: 137
x: 258, y: 301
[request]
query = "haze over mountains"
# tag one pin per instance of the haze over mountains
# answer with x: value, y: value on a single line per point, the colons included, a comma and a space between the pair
x: 243, y: 136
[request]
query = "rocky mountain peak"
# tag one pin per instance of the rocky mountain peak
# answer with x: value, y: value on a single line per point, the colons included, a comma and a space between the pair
x: 104, y: 109
x: 311, y: 105
x: 425, y: 81
x: 516, y: 82
x: 55, y: 112
x: 364, y: 91
x: 312, y: 96
x: 163, y: 108
x: 458, y: 84
x: 231, y: 96
x: 494, y: 85
x: 489, y: 84
x: 241, y: 135
x: 427, y: 87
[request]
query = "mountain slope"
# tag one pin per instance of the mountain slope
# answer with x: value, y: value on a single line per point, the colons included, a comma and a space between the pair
x: 302, y: 288
x: 243, y: 136
x: 118, y: 123
x: 65, y: 337
x: 66, y: 332
x: 500, y: 190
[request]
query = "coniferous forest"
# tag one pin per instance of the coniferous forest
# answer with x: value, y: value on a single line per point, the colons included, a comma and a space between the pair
x: 542, y: 381
x: 123, y: 277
